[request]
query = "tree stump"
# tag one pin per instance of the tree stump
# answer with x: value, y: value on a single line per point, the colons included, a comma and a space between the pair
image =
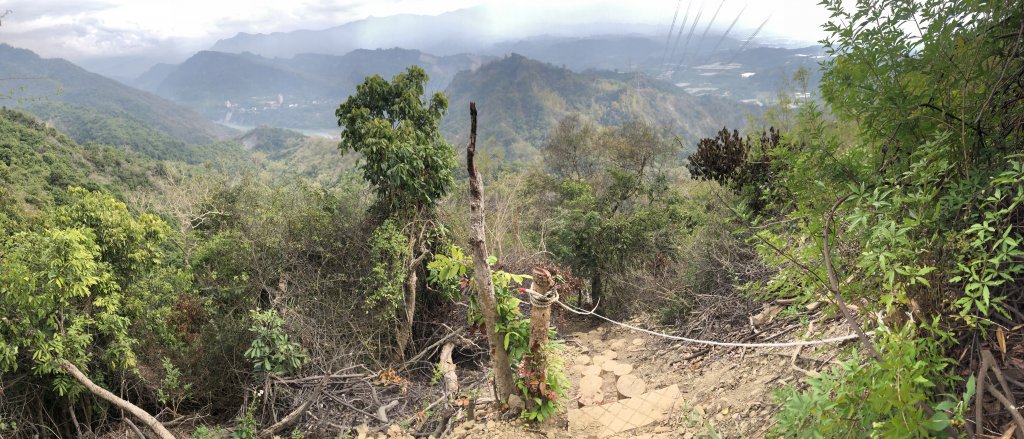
x: 629, y: 386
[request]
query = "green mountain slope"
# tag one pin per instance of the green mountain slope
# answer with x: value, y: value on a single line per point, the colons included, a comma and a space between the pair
x: 92, y: 108
x: 38, y: 163
x: 520, y: 100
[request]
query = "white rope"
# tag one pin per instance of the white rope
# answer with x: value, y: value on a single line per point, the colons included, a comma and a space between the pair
x: 578, y: 311
x: 542, y: 300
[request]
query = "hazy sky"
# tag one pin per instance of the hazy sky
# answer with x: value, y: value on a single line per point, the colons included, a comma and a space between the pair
x: 83, y: 29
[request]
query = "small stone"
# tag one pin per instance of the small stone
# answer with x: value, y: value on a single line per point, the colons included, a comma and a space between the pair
x: 516, y: 403
x: 688, y: 435
x: 361, y: 431
x: 609, y: 366
x: 583, y: 360
x: 394, y: 430
x: 622, y: 369
x: 638, y: 342
x: 610, y: 354
x: 491, y: 425
x: 700, y: 410
x: 591, y: 370
x: 551, y: 435
x: 618, y: 344
x: 719, y: 417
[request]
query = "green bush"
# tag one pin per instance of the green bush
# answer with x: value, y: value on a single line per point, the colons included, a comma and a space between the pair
x: 893, y: 397
x: 272, y: 351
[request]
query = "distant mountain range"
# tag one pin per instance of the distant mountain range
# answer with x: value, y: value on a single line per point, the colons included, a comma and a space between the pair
x: 300, y: 92
x: 696, y: 89
x: 470, y: 30
x: 520, y: 100
x: 93, y: 108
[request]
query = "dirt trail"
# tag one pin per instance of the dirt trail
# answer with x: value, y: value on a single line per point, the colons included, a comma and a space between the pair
x: 690, y: 391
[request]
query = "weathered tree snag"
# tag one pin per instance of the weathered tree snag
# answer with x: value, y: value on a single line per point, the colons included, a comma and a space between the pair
x: 482, y: 272
x: 540, y: 311
x: 404, y: 330
x: 451, y: 380
x: 146, y: 418
x: 541, y: 298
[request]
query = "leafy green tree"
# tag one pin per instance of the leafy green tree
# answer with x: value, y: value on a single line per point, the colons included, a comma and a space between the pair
x: 397, y: 132
x: 408, y: 163
x: 73, y: 290
x: 614, y: 203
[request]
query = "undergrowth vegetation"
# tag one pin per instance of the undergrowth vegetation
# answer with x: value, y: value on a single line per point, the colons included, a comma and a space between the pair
x: 919, y: 212
x: 223, y: 297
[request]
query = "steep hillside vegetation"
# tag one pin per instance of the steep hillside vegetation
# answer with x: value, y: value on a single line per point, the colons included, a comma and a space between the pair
x: 38, y: 163
x: 520, y: 100
x: 92, y: 108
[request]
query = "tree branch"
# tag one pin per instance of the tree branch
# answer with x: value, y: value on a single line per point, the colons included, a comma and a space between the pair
x: 833, y: 281
x: 146, y: 418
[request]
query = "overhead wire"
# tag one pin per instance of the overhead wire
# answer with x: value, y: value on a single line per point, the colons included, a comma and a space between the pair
x: 725, y: 34
x: 668, y: 38
x: 749, y: 40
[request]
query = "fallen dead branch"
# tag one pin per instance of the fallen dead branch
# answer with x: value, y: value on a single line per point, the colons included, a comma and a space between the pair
x: 1009, y: 407
x: 297, y: 413
x: 139, y: 413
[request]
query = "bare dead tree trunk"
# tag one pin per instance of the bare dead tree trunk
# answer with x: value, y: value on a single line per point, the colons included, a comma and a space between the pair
x: 482, y: 272
x: 451, y: 379
x: 541, y: 299
x: 540, y: 313
x: 404, y: 335
x: 146, y: 418
x: 406, y: 319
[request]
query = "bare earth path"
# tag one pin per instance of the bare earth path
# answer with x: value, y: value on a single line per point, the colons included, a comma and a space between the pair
x: 631, y: 385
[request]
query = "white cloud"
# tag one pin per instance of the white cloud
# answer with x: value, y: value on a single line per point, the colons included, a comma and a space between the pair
x: 81, y: 29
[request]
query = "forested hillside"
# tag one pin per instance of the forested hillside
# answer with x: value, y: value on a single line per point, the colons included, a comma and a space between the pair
x: 39, y: 163
x: 92, y: 108
x: 521, y: 99
x: 531, y: 253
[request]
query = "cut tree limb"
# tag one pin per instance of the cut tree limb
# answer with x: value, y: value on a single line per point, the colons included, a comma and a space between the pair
x: 451, y: 380
x: 382, y: 411
x: 139, y: 413
x: 482, y: 271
